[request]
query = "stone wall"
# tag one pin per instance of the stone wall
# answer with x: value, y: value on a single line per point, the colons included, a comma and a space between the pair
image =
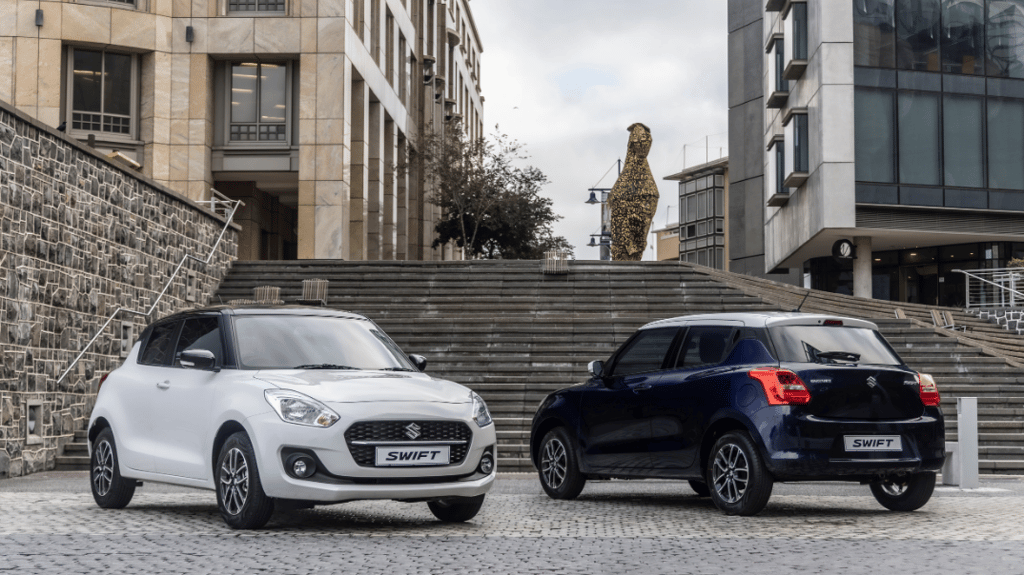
x: 80, y: 237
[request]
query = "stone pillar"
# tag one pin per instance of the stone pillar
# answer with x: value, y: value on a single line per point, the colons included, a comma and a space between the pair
x: 375, y: 183
x: 390, y: 204
x: 402, y: 191
x: 359, y: 180
x: 862, y: 267
x: 333, y: 136
x: 414, y: 183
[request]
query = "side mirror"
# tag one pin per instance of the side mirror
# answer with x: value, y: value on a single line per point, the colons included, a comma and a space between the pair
x: 198, y: 359
x: 419, y: 361
x: 596, y: 368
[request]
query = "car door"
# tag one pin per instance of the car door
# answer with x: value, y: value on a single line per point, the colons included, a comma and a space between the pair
x: 183, y: 421
x: 614, y: 412
x: 139, y: 398
x: 681, y: 397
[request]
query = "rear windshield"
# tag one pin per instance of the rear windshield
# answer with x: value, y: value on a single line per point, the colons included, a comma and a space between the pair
x: 829, y: 344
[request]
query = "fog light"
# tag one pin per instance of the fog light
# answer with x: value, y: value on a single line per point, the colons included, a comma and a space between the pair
x: 301, y: 466
x: 486, y: 464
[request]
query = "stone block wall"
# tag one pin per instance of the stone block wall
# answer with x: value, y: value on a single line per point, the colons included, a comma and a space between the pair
x: 80, y: 237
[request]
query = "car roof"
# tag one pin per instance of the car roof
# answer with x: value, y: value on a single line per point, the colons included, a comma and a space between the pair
x: 263, y: 309
x: 759, y: 319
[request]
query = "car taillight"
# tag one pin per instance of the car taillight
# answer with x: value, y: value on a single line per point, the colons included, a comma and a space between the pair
x: 102, y: 379
x: 928, y: 389
x: 783, y: 387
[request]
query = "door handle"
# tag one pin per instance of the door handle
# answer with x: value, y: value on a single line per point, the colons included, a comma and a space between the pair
x: 163, y: 384
x: 642, y: 387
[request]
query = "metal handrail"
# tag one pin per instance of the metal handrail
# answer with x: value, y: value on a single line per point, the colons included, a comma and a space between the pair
x: 1016, y: 297
x: 217, y: 200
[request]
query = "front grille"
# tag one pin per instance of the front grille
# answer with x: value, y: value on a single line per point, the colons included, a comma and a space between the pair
x: 396, y: 431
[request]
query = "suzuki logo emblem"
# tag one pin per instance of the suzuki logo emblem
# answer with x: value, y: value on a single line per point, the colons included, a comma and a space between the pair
x: 412, y: 431
x: 872, y: 382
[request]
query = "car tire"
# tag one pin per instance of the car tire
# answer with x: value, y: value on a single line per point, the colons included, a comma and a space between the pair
x: 456, y: 509
x: 736, y: 475
x: 700, y: 488
x: 240, y: 496
x: 109, y: 489
x: 559, y: 470
x: 908, y: 493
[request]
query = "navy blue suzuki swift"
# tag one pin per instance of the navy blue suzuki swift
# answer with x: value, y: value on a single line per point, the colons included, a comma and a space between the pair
x: 736, y: 402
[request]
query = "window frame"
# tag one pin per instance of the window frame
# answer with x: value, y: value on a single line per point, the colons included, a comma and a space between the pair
x: 613, y: 362
x: 796, y: 126
x: 134, y: 97
x: 175, y: 356
x: 288, y: 115
x: 178, y: 322
x: 257, y: 13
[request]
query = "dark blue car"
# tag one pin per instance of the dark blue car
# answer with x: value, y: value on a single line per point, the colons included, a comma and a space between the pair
x: 736, y: 402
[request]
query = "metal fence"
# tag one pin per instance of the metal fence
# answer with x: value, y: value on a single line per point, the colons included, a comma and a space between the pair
x: 994, y: 288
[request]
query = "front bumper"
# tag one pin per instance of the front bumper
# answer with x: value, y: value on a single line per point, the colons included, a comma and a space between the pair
x: 342, y: 479
x: 800, y: 446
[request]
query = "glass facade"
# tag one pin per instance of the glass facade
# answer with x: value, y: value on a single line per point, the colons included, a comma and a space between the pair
x: 702, y: 220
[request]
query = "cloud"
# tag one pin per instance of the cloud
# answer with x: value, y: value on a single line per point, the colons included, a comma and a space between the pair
x: 567, y: 77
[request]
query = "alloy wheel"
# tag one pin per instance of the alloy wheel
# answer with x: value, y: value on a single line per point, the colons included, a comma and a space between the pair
x: 103, y: 468
x: 894, y: 488
x: 554, y: 463
x: 234, y: 481
x: 731, y: 473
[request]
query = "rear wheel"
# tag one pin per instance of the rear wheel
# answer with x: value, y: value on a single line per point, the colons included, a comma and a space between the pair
x: 109, y: 489
x: 700, y: 488
x: 907, y: 493
x: 456, y: 509
x: 240, y: 496
x: 559, y: 471
x: 737, y: 478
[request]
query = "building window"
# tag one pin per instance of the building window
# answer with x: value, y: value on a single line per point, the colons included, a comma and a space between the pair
x: 917, y: 35
x: 103, y: 92
x: 797, y: 156
x: 875, y: 135
x: 260, y: 103
x: 963, y: 36
x: 778, y: 84
x: 874, y: 24
x: 919, y: 138
x: 1006, y: 38
x: 256, y: 5
x: 795, y: 39
x: 963, y: 128
x: 1006, y: 144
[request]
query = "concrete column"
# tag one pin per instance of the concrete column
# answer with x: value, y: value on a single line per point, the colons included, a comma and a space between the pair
x: 862, y: 267
x: 375, y: 183
x: 402, y: 227
x: 390, y: 204
x: 360, y: 172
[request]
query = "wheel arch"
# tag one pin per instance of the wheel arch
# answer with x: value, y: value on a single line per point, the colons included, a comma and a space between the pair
x: 541, y: 430
x: 226, y: 430
x: 96, y: 428
x: 720, y: 427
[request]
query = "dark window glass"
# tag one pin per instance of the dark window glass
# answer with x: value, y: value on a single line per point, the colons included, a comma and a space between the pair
x: 919, y: 138
x: 705, y: 346
x: 1006, y: 38
x: 646, y: 352
x: 964, y: 141
x: 920, y: 196
x: 805, y: 343
x: 101, y: 92
x: 160, y: 346
x: 874, y: 25
x: 799, y: 15
x: 801, y: 149
x: 963, y: 36
x: 1006, y: 201
x: 780, y: 168
x: 781, y: 83
x: 875, y: 135
x: 967, y: 199
x: 88, y: 81
x: 117, y: 84
x: 1006, y: 144
x: 719, y: 202
x: 258, y: 102
x: 917, y: 35
x: 876, y: 194
x: 200, y: 333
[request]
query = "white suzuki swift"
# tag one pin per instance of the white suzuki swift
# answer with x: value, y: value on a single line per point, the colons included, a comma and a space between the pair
x: 288, y: 406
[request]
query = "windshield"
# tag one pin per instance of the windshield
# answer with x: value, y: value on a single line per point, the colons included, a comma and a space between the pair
x: 832, y: 345
x: 315, y: 342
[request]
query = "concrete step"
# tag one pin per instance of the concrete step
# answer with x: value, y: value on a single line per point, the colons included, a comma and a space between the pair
x: 72, y: 462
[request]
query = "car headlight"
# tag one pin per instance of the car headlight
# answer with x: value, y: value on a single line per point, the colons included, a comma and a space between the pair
x: 294, y: 407
x: 481, y: 416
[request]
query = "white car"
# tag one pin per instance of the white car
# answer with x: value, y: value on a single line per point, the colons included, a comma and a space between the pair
x: 287, y: 406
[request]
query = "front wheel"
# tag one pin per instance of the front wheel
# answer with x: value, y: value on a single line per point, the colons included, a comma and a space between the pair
x: 456, y: 509
x: 559, y: 471
x: 240, y: 496
x: 737, y: 478
x: 907, y: 493
x: 109, y: 489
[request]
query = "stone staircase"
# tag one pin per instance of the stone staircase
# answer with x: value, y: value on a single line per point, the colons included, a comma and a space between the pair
x: 514, y: 335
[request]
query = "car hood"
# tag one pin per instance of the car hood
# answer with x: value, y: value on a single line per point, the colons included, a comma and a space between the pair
x: 345, y: 386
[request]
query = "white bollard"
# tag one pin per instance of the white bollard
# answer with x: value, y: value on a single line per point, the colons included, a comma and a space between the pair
x: 951, y: 467
x: 967, y: 435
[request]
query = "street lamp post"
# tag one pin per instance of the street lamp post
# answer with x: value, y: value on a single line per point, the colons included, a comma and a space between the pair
x: 600, y: 196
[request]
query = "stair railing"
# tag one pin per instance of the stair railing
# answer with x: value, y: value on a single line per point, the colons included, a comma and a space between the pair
x: 994, y: 288
x: 220, y: 205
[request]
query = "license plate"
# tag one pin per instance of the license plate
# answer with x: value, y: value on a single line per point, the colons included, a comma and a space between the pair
x: 418, y: 455
x: 873, y: 443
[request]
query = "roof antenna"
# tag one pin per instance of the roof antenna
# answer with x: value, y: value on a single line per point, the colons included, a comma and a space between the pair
x: 802, y: 301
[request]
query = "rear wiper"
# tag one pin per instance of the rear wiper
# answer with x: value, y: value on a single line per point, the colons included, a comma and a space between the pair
x: 323, y: 366
x: 846, y: 355
x: 395, y: 369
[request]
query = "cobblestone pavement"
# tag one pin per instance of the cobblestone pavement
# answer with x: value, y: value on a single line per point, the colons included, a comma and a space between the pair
x: 50, y: 524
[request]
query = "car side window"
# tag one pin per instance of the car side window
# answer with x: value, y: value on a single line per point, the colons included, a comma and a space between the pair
x: 160, y: 345
x: 200, y: 333
x: 705, y: 346
x: 646, y: 352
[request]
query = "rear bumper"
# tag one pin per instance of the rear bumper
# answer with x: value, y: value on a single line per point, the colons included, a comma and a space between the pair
x: 802, y: 447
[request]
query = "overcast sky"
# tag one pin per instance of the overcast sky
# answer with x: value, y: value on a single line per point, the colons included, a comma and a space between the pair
x: 567, y: 77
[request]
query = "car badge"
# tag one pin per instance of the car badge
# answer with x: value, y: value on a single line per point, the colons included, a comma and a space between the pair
x: 872, y: 382
x: 412, y: 431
